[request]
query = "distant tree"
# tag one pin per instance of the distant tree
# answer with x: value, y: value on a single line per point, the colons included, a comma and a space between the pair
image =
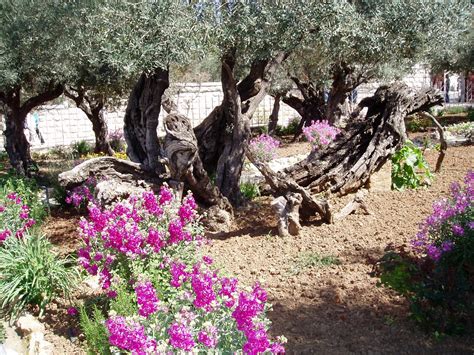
x: 31, y: 68
x: 364, y: 40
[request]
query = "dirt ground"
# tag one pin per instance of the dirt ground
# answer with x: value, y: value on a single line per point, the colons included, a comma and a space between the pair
x: 328, y: 306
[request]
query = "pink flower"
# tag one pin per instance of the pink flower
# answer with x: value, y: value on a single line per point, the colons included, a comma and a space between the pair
x: 166, y: 195
x: 146, y: 299
x: 72, y: 311
x: 181, y: 337
x: 129, y: 335
x: 208, y: 337
x: 320, y: 133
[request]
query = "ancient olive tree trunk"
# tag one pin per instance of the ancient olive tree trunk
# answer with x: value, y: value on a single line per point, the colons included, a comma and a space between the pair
x: 93, y: 107
x: 141, y: 120
x: 365, y: 145
x: 17, y: 145
x: 347, y: 163
x: 223, y: 134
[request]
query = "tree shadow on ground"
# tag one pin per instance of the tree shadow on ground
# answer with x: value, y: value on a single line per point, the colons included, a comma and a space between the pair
x: 324, y: 324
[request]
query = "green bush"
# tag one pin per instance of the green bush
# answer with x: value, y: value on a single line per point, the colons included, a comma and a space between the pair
x: 409, y: 168
x: 290, y: 129
x: 97, y: 338
x: 249, y: 190
x: 28, y: 190
x: 437, y: 274
x: 81, y: 148
x: 32, y: 274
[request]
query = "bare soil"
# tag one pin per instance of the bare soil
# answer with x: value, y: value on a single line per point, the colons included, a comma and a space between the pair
x: 332, y: 307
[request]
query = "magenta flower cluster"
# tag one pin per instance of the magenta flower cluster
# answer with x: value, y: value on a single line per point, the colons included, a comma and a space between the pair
x: 264, y: 148
x: 450, y: 223
x: 146, y: 299
x: 198, y: 310
x: 81, y: 195
x: 129, y: 335
x: 122, y: 231
x: 14, y: 217
x: 320, y: 133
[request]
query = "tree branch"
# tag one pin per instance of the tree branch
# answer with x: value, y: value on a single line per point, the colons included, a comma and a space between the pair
x: 41, y: 98
x: 443, y: 143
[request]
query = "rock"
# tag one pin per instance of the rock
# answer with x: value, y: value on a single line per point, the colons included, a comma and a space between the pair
x: 29, y: 324
x: 38, y: 346
x: 7, y: 351
x: 218, y: 220
x: 381, y: 181
x: 92, y: 282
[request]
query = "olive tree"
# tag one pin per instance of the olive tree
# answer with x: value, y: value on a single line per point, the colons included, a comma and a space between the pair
x: 31, y: 67
x: 367, y: 40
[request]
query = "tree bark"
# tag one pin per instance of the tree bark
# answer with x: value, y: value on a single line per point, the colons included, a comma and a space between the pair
x: 16, y: 143
x: 364, y: 146
x: 141, y: 120
x: 93, y: 107
x: 222, y: 135
x: 273, y: 120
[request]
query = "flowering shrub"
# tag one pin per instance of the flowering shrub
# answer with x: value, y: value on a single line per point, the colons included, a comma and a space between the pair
x: 450, y: 229
x: 264, y: 148
x: 116, y: 140
x: 320, y: 133
x: 15, y: 217
x: 81, y: 195
x: 438, y: 278
x: 145, y: 251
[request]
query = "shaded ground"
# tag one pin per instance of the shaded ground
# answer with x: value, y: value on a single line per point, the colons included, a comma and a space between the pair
x: 329, y: 305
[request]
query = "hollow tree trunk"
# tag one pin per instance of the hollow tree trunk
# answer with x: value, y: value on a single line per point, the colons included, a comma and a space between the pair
x: 141, y: 120
x: 93, y: 107
x: 273, y: 119
x: 364, y: 146
x: 17, y: 145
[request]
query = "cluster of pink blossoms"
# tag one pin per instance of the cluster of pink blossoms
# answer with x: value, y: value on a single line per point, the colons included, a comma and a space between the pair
x: 264, y: 148
x: 14, y: 217
x: 320, y: 133
x: 450, y: 222
x: 83, y: 194
x: 200, y: 302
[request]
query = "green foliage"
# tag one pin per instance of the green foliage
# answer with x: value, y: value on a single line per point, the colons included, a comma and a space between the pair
x: 28, y: 190
x: 290, y: 129
x: 32, y: 274
x: 455, y: 110
x: 94, y: 330
x: 440, y: 295
x: 81, y: 148
x: 417, y: 123
x: 462, y: 129
x: 249, y: 190
x: 313, y: 260
x: 409, y: 168
x: 3, y: 332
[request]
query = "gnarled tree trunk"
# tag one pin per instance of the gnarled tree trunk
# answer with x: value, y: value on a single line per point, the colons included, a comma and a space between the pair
x: 141, y: 120
x: 93, y: 107
x: 273, y: 119
x: 362, y: 149
x: 15, y: 112
x: 223, y: 134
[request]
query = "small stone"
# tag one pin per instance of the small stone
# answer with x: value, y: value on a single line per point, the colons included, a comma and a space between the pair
x: 38, y: 346
x: 29, y: 324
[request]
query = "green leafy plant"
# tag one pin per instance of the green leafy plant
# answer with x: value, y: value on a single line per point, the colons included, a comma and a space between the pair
x: 409, y: 168
x: 250, y: 190
x: 313, y: 260
x: 28, y: 190
x: 31, y: 274
x: 97, y: 338
x: 81, y: 148
x: 290, y: 129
